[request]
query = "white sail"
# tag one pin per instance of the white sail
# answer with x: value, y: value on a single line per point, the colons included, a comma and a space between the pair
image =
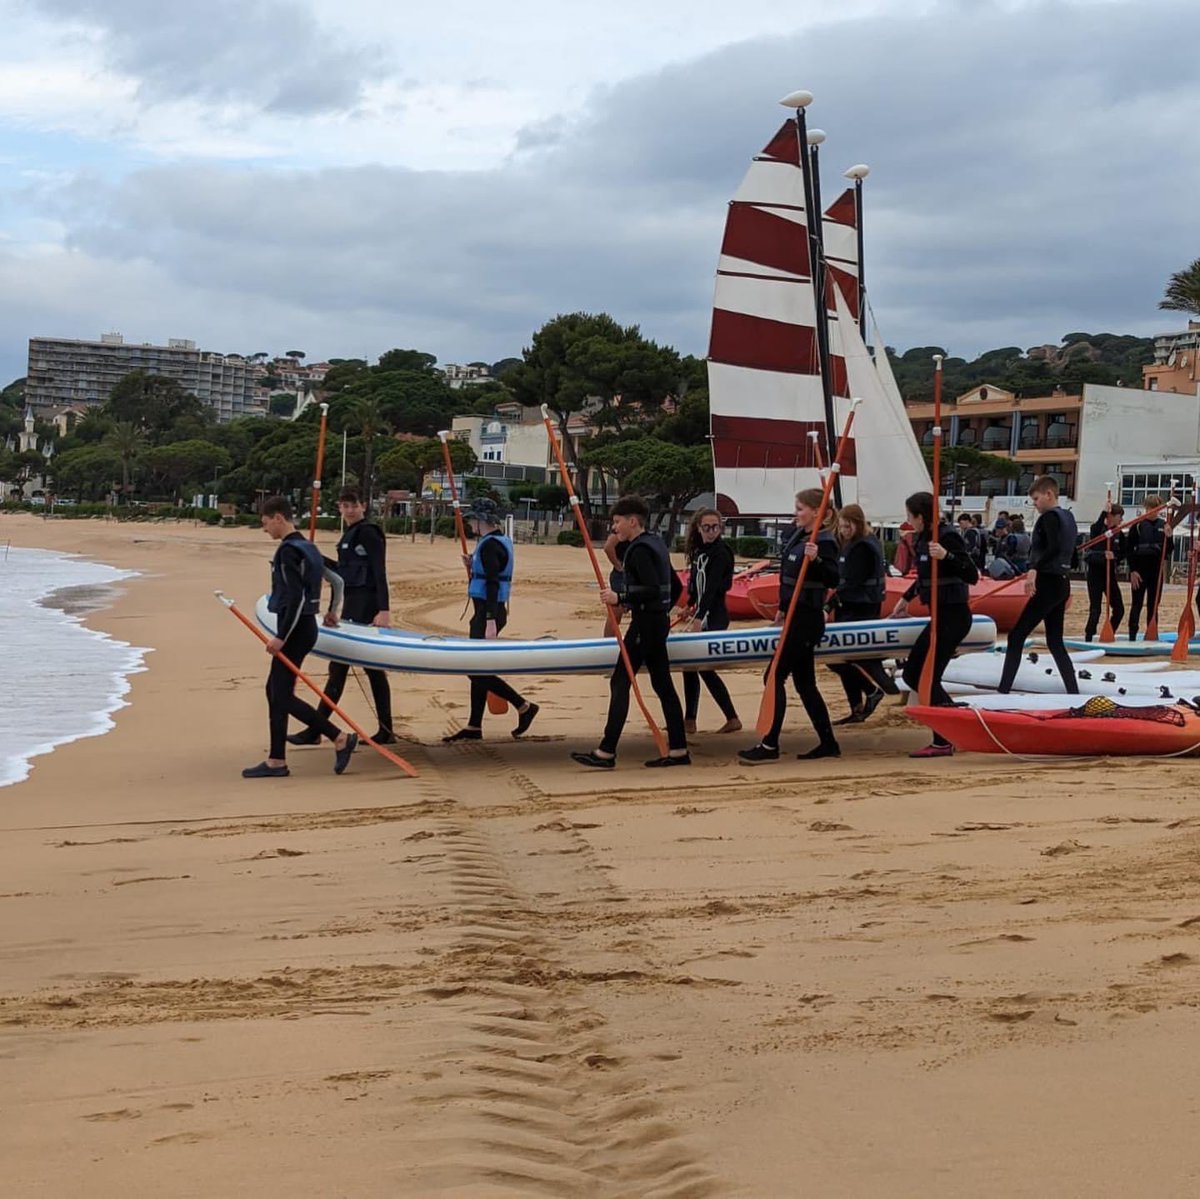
x: 890, y: 464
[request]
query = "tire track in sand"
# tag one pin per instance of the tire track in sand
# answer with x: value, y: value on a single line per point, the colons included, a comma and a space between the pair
x: 532, y: 1097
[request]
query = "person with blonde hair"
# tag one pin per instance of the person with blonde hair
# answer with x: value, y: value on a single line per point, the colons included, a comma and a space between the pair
x: 797, y: 659
x: 859, y: 596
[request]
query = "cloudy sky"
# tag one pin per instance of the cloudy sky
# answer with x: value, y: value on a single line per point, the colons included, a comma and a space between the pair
x: 343, y: 176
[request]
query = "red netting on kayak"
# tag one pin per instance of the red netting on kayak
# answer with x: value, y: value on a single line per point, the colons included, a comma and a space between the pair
x: 1101, y: 706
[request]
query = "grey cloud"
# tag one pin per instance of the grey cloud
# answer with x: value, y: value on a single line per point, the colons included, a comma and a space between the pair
x: 1033, y: 174
x: 267, y: 53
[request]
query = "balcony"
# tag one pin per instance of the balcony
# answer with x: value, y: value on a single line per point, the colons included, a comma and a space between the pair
x: 997, y: 437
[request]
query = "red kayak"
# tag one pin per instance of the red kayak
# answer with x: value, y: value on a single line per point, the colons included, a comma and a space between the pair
x: 762, y: 596
x: 1072, y: 732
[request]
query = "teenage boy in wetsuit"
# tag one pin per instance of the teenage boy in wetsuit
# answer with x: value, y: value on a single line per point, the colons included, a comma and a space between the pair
x: 647, y: 596
x: 296, y: 574
x: 362, y: 564
x: 1101, y: 561
x: 491, y: 567
x: 1144, y: 545
x: 1048, y: 586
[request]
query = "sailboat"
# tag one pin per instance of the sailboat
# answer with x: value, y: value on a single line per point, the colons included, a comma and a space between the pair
x: 780, y: 383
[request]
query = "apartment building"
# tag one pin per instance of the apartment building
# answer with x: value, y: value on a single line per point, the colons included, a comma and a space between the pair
x: 65, y: 371
x: 1083, y: 440
x: 1176, y: 365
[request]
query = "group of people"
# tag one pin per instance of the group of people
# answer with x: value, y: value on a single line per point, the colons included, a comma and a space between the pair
x: 844, y: 579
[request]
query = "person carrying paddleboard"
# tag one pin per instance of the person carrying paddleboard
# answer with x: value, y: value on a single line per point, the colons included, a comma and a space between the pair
x: 956, y: 572
x: 798, y: 658
x: 859, y: 596
x: 710, y: 567
x: 1143, y: 547
x: 491, y: 567
x: 1101, y: 562
x: 1048, y: 585
x: 362, y: 565
x: 647, y: 596
x: 297, y: 571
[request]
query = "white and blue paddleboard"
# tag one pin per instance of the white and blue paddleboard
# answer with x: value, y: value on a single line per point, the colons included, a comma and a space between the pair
x: 1124, y: 648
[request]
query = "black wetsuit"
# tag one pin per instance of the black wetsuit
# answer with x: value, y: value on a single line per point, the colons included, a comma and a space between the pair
x: 1144, y: 545
x: 362, y: 563
x: 798, y: 657
x: 1102, y: 577
x: 708, y: 582
x: 647, y: 595
x: 859, y: 596
x: 1051, y: 550
x: 494, y: 559
x: 295, y: 600
x: 954, y: 612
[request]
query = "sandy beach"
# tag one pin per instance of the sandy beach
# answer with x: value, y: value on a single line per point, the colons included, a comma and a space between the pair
x: 513, y: 977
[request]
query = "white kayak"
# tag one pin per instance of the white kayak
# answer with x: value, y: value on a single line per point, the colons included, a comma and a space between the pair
x: 983, y: 670
x: 395, y: 649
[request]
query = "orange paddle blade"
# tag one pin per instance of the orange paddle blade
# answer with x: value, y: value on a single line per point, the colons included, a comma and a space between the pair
x: 496, y: 705
x: 766, y: 707
x: 1107, y: 632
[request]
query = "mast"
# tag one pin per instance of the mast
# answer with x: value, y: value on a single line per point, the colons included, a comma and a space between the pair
x: 858, y: 173
x: 810, y: 169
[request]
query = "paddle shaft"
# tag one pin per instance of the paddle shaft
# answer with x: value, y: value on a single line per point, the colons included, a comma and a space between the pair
x: 1107, y: 633
x: 925, y: 683
x: 316, y: 487
x: 395, y: 759
x: 1168, y: 536
x: 766, y: 708
x: 613, y: 623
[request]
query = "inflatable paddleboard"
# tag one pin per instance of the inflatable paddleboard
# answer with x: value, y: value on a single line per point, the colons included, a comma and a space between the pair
x: 395, y: 649
x: 1098, y: 728
x: 1124, y: 648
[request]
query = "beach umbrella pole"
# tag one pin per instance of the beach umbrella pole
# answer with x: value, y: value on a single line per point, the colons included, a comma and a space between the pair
x: 613, y: 623
x: 395, y: 759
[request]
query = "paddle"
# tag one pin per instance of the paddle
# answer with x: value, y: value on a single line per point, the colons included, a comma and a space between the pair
x: 316, y: 487
x: 395, y: 759
x: 1107, y: 632
x: 925, y: 683
x: 613, y: 622
x: 766, y: 709
x: 496, y: 705
x: 1186, y: 628
x: 1087, y: 545
x: 1152, y: 623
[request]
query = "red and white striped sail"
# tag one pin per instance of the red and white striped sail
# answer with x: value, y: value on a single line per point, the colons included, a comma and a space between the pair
x: 765, y: 389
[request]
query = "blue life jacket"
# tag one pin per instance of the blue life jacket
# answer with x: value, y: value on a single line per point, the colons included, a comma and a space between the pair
x: 313, y: 571
x: 477, y: 589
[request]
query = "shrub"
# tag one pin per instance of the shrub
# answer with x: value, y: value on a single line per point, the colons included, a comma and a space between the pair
x: 570, y: 537
x: 445, y: 526
x: 752, y: 547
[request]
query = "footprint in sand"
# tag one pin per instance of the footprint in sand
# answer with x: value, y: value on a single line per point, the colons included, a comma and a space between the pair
x: 1015, y: 938
x: 122, y: 1113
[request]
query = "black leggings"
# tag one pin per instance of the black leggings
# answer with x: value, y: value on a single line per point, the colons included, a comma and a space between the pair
x: 1146, y: 594
x: 482, y: 684
x: 860, y: 678
x: 1096, y: 591
x: 282, y: 700
x: 362, y: 610
x: 712, y: 681
x: 798, y: 662
x: 954, y: 623
x: 646, y: 644
x: 1047, y: 605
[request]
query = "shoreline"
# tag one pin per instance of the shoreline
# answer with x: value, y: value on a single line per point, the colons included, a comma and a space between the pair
x: 967, y: 976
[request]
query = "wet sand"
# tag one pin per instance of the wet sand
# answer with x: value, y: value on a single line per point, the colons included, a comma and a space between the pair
x: 513, y: 977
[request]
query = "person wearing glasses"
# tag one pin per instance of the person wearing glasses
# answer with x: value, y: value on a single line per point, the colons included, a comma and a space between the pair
x: 710, y: 565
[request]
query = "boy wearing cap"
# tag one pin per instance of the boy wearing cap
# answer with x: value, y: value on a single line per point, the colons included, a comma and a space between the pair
x: 491, y: 567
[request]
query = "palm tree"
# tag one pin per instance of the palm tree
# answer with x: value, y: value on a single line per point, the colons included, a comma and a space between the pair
x: 1183, y: 291
x: 368, y: 418
x: 128, y: 441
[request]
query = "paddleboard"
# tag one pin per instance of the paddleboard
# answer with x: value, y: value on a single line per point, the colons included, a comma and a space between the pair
x: 1124, y: 649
